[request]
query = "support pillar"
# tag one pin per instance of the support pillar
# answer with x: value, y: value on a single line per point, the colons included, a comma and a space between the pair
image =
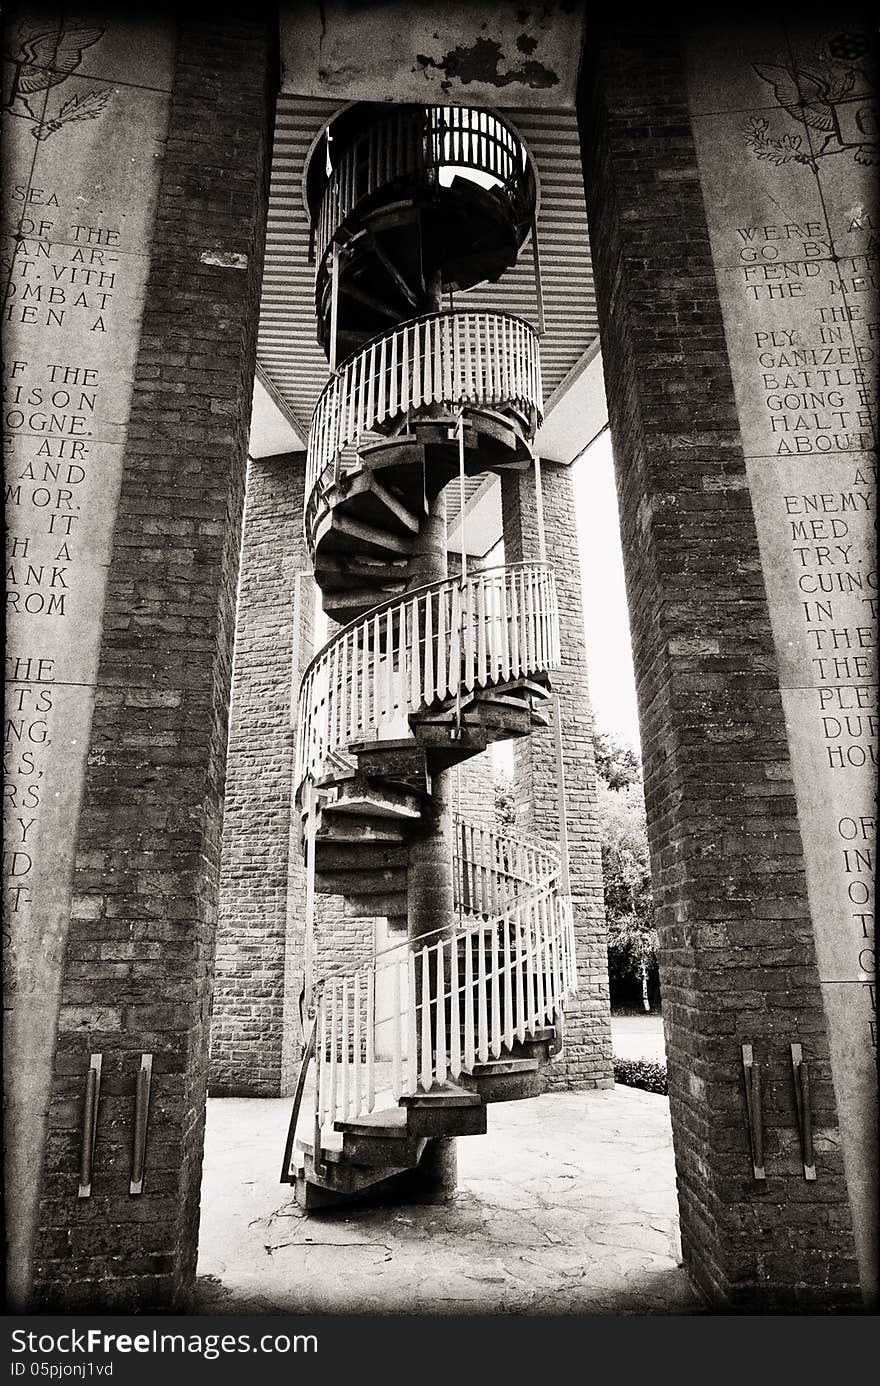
x: 705, y: 538
x: 430, y: 892
x: 256, y: 1032
x: 586, y: 1058
x: 114, y: 953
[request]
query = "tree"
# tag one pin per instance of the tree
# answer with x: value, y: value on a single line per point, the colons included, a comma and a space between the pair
x: 616, y: 762
x: 629, y: 907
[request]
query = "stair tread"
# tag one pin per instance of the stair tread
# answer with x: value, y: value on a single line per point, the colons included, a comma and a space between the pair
x: 494, y: 1066
x: 390, y: 1121
x: 442, y: 1097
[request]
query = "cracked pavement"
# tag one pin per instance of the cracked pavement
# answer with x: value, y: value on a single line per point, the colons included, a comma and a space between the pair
x: 566, y: 1206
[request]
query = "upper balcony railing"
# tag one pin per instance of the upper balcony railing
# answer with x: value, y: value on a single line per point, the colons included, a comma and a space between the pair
x: 439, y: 142
x: 446, y: 359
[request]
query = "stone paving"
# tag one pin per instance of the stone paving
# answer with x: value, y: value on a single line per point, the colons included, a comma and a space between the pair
x: 638, y: 1037
x: 566, y: 1206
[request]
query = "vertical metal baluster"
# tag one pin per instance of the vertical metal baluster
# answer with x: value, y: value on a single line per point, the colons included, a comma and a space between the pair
x: 442, y: 662
x: 496, y: 992
x: 393, y: 393
x: 332, y: 1112
x: 415, y: 686
x: 454, y: 1010
x: 427, y: 1066
x: 382, y: 395
x: 531, y: 996
x: 417, y: 366
x: 396, y: 1028
x: 320, y: 1074
x: 356, y: 1046
x: 370, y: 416
x: 406, y: 394
x: 345, y: 1052
x: 508, y: 985
x: 365, y: 676
x: 377, y: 669
x: 468, y: 1003
x: 412, y: 1025
x: 371, y: 1037
x: 481, y: 631
x: 504, y: 626
x: 482, y: 1000
x: 353, y: 689
x: 389, y: 664
x: 455, y: 643
x: 468, y: 675
x: 428, y: 667
x: 515, y: 665
x: 540, y: 1001
x: 440, y: 1015
x: 520, y: 994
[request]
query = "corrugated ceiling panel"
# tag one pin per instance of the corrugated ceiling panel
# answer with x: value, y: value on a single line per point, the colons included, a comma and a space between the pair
x: 287, y: 346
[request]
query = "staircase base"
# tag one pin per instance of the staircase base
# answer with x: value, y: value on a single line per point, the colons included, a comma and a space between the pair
x: 432, y: 1181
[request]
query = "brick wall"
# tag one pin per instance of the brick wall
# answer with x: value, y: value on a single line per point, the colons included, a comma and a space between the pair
x: 737, y: 956
x: 473, y: 790
x: 586, y: 1059
x: 139, y: 957
x: 249, y: 1045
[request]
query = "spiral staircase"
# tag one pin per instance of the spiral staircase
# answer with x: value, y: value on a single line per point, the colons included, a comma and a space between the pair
x: 408, y: 204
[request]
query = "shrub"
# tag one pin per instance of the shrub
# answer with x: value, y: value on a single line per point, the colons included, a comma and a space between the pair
x: 641, y: 1073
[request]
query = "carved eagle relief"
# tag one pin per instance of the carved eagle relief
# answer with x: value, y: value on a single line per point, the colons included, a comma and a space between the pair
x: 837, y: 107
x: 44, y: 60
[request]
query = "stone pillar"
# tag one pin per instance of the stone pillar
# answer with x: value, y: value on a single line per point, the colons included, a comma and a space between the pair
x: 707, y: 536
x: 162, y: 191
x: 586, y: 1059
x: 255, y: 1025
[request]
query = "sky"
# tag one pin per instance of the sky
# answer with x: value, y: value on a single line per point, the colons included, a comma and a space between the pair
x: 609, y: 656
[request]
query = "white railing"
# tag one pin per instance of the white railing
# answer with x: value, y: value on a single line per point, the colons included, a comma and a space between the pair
x: 492, y: 872
x: 428, y: 1012
x: 442, y: 641
x: 412, y: 142
x: 447, y: 359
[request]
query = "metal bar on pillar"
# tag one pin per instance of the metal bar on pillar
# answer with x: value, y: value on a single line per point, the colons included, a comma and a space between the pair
x: 463, y: 610
x: 539, y: 511
x: 564, y: 881
x: 309, y: 936
x: 334, y: 307
x: 539, y: 287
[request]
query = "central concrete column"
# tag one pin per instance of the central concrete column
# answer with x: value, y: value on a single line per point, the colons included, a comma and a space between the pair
x: 430, y: 900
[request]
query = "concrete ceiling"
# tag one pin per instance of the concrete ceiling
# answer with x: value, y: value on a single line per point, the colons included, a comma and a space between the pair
x: 483, y: 52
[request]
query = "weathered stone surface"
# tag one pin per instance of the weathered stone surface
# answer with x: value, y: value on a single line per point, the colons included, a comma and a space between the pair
x: 796, y: 261
x: 136, y: 964
x: 586, y: 1058
x: 738, y: 959
x: 256, y: 1031
x: 77, y: 251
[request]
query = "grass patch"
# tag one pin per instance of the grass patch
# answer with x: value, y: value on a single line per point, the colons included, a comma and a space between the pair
x: 641, y: 1073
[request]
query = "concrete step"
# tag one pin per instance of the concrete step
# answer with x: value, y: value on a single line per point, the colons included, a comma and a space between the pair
x: 359, y: 880
x: 505, y: 1080
x: 343, y: 1177
x: 374, y: 906
x: 390, y: 858
x: 381, y: 1138
x: 448, y: 1111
